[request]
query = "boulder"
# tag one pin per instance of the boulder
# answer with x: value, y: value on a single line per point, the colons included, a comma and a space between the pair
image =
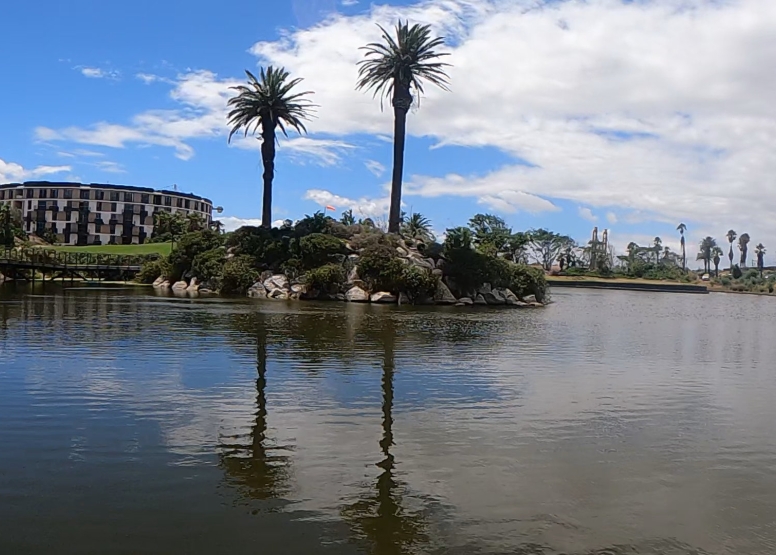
x: 404, y: 299
x: 278, y: 281
x: 179, y: 286
x: 383, y: 297
x: 422, y: 263
x: 402, y: 251
x: 159, y: 281
x: 164, y: 285
x: 443, y: 295
x: 193, y: 285
x: 205, y: 291
x: 529, y: 299
x: 480, y: 300
x: 265, y: 275
x: 485, y: 288
x: 278, y: 294
x: 299, y: 289
x: 465, y: 301
x: 437, y: 272
x: 508, y: 295
x: 535, y: 305
x: 356, y: 295
x: 495, y: 298
x: 353, y: 275
x: 257, y: 291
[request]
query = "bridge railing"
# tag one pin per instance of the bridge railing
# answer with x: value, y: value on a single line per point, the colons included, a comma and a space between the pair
x: 51, y: 257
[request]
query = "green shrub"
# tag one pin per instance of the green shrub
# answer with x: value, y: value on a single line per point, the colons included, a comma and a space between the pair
x: 189, y: 246
x: 209, y: 265
x: 292, y: 268
x: 371, y: 237
x: 152, y: 270
x: 238, y: 274
x: 327, y: 279
x: 725, y: 281
x: 380, y: 268
x: 418, y: 283
x: 752, y: 274
x: 736, y: 272
x: 527, y: 280
x: 318, y: 249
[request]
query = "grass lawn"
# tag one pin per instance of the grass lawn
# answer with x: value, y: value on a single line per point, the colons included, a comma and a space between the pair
x: 148, y: 248
x: 550, y: 279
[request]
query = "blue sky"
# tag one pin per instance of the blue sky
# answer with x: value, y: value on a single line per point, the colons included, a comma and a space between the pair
x: 562, y: 115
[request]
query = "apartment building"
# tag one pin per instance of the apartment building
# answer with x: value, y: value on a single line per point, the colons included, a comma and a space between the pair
x: 96, y: 214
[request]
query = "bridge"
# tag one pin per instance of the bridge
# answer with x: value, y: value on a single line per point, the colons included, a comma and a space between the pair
x: 40, y: 263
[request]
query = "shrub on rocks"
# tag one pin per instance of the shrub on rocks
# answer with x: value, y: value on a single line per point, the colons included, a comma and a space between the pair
x: 152, y: 270
x: 326, y: 279
x: 318, y: 249
x: 238, y: 274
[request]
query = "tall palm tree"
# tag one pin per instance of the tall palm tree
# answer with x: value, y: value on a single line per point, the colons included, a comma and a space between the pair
x: 717, y: 252
x: 395, y: 68
x: 731, y: 236
x: 657, y: 246
x: 759, y: 250
x: 681, y: 228
x: 743, y: 246
x: 706, y: 248
x: 269, y: 102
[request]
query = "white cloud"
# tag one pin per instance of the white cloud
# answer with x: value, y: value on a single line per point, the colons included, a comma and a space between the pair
x: 362, y: 208
x: 110, y: 167
x: 98, y: 73
x: 587, y: 214
x: 149, y: 78
x: 349, y: 2
x: 231, y: 223
x: 611, y: 217
x: 12, y: 173
x: 375, y: 167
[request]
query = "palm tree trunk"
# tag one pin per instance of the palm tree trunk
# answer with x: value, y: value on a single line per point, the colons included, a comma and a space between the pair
x: 268, y: 160
x: 401, y: 105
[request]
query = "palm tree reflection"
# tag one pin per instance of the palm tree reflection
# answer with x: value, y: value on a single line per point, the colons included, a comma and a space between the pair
x: 258, y: 470
x: 379, y: 516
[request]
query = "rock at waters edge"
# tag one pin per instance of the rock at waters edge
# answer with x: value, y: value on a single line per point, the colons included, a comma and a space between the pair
x: 480, y: 300
x: 443, y: 295
x: 356, y: 295
x: 465, y: 301
x: 278, y: 281
x: 495, y: 298
x: 179, y: 286
x: 159, y: 281
x: 383, y: 297
x: 278, y: 295
x: 193, y: 286
x: 257, y: 291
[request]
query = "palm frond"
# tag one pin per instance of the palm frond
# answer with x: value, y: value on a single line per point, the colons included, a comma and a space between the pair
x: 267, y: 101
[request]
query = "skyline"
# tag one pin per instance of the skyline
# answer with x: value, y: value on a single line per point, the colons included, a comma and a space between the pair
x: 628, y: 116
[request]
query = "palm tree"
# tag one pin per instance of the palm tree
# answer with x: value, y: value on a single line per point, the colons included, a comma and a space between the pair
x: 416, y: 227
x: 705, y: 254
x: 759, y: 250
x: 394, y: 69
x: 731, y: 236
x: 269, y: 103
x: 657, y: 246
x: 348, y: 218
x: 743, y: 246
x: 717, y: 252
x: 681, y: 228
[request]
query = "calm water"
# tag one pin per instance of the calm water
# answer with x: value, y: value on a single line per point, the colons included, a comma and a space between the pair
x: 609, y: 423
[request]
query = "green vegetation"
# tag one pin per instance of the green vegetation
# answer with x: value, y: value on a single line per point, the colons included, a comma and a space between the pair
x: 162, y: 249
x: 395, y: 69
x: 268, y: 103
x: 11, y: 226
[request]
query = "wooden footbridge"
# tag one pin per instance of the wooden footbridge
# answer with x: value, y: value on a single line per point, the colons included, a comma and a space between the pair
x: 47, y: 265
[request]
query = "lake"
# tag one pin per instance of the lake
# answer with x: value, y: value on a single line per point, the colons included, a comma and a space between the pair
x: 608, y: 423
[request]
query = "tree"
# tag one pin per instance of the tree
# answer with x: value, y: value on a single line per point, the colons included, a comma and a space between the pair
x: 743, y: 246
x: 706, y: 249
x: 417, y: 227
x: 731, y: 236
x: 348, y: 218
x: 268, y: 103
x: 11, y: 225
x: 717, y: 253
x: 394, y: 69
x: 217, y: 226
x: 759, y: 250
x: 657, y: 246
x: 681, y: 228
x: 547, y: 245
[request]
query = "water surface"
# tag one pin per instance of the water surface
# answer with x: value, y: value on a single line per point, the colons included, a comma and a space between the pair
x: 608, y: 423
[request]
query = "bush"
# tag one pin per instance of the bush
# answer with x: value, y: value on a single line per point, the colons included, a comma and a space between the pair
x: 736, y: 272
x: 380, y: 268
x: 292, y: 268
x: 725, y: 281
x: 189, y: 246
x: 238, y: 274
x: 372, y: 238
x: 208, y: 266
x: 318, y: 249
x: 327, y: 279
x: 418, y: 283
x: 317, y: 223
x: 527, y: 280
x: 752, y: 274
x: 152, y: 270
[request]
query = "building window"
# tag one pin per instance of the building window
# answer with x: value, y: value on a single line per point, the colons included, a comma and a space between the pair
x: 112, y: 206
x: 2, y: 195
x: 29, y: 205
x: 187, y: 204
x: 127, y: 197
x: 144, y: 198
x: 179, y: 204
x: 54, y: 193
x: 68, y: 193
x: 157, y: 199
x: 99, y: 195
x: 114, y: 196
x: 168, y: 201
x: 41, y: 205
x: 85, y: 195
x: 42, y: 193
x: 29, y: 193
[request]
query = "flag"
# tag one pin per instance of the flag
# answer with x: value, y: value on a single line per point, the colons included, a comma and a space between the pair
x: 331, y: 208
